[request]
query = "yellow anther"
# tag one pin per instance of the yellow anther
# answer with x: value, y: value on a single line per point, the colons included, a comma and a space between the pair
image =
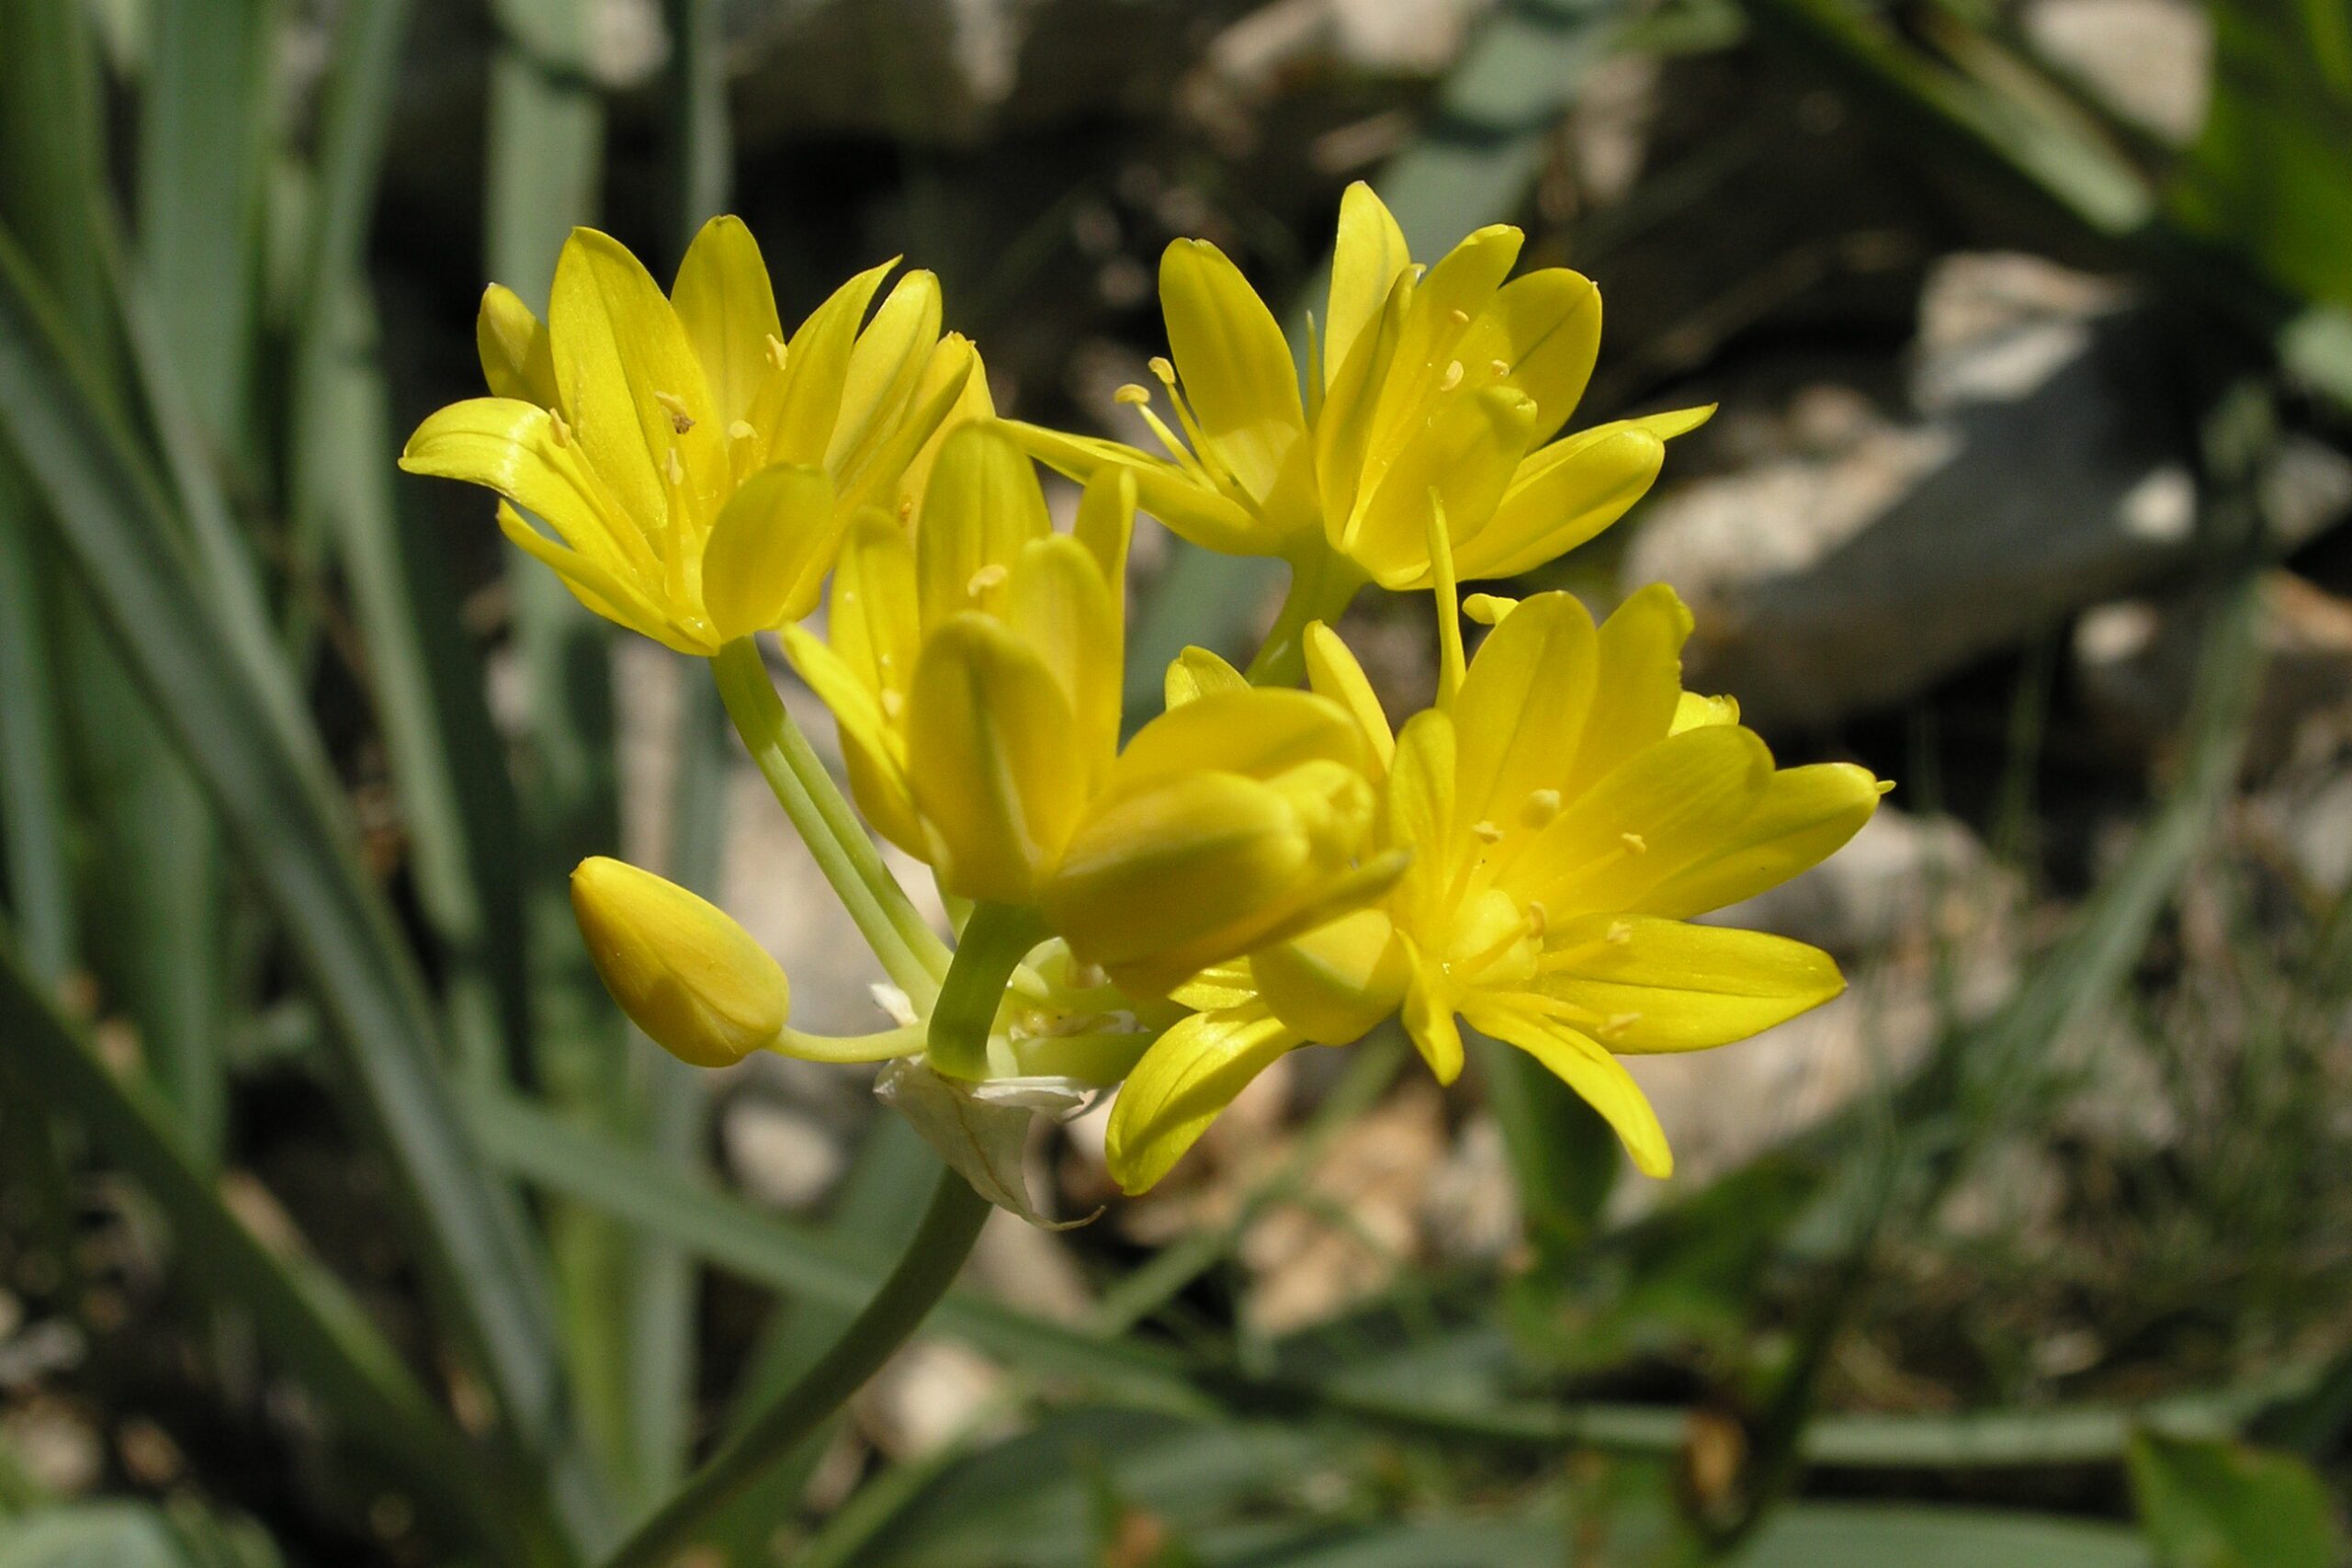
x: 1500, y: 366
x: 1614, y: 1027
x: 1620, y: 932
x: 675, y: 407
x: 1540, y: 807
x: 1539, y: 918
x: 893, y: 703
x: 1461, y: 317
x: 777, y: 352
x: 906, y: 508
x: 990, y: 576
x: 1452, y: 375
x: 1487, y: 832
x: 1132, y: 395
x: 1635, y: 843
x: 675, y: 469
x: 559, y: 428
x: 1163, y: 370
x: 741, y: 429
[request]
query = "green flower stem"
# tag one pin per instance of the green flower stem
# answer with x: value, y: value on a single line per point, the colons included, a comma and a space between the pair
x: 911, y: 954
x: 995, y: 940
x: 930, y: 1263
x: 1323, y: 583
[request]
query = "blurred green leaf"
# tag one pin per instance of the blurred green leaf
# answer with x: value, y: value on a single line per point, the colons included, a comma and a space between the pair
x: 33, y: 814
x: 2271, y: 175
x: 1821, y: 1535
x: 2209, y: 1503
x: 297, y: 847
x: 131, y: 1535
x: 1563, y: 1154
x: 308, y: 1323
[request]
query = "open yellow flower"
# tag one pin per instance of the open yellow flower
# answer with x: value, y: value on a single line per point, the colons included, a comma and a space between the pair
x: 695, y: 469
x: 1449, y: 378
x: 974, y: 667
x: 1568, y: 808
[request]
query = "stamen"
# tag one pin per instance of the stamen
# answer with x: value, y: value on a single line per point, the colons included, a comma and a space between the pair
x: 1461, y: 317
x: 675, y: 469
x: 1502, y: 368
x: 675, y: 407
x: 1487, y: 832
x: 990, y: 576
x: 893, y: 703
x: 1163, y: 368
x: 777, y: 352
x: 1449, y: 604
x: 559, y: 428
x: 1614, y: 1028
x: 1133, y: 396
x: 1540, y: 807
x: 1452, y: 374
x: 1539, y: 920
x: 1635, y: 843
x: 906, y: 508
x: 1620, y: 932
x: 741, y: 429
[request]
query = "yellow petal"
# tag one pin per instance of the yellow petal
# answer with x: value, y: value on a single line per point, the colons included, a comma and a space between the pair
x: 769, y: 551
x: 1204, y: 868
x: 614, y: 597
x: 1057, y: 602
x: 1421, y: 818
x: 511, y: 447
x: 1579, y: 1062
x: 982, y: 506
x: 513, y: 343
x: 1427, y: 1016
x: 1105, y: 525
x: 1545, y: 331
x: 1669, y: 805
x: 885, y: 365
x: 870, y: 617
x: 1196, y: 673
x: 989, y: 738
x: 873, y: 747
x: 1805, y: 816
x: 1193, y: 510
x: 1343, y: 426
x: 815, y: 372
x: 1335, y: 982
x: 1640, y: 687
x: 1561, y: 497
x: 1364, y: 263
x: 1453, y: 294
x: 894, y: 465
x: 728, y: 308
x: 1657, y: 984
x: 1235, y: 366
x: 686, y: 973
x: 1692, y: 711
x: 1255, y: 732
x: 1191, y: 1074
x: 1467, y: 454
x: 1333, y: 673
x: 1520, y: 713
x: 623, y: 364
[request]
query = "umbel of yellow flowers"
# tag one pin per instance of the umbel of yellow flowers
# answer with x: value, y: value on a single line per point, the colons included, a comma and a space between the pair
x: 1568, y: 807
x: 1448, y: 379
x: 975, y: 667
x: 695, y: 468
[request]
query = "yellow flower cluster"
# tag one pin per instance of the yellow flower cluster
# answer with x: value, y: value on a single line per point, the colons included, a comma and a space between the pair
x: 1261, y: 866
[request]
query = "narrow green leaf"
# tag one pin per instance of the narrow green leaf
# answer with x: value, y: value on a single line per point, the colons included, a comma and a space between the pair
x: 32, y: 768
x: 307, y: 1323
x: 2221, y: 1504
x: 1823, y: 1535
x: 298, y: 849
x: 1564, y: 1155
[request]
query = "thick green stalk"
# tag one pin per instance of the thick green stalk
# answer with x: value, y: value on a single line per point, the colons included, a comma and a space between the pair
x: 1323, y: 583
x: 911, y: 954
x: 995, y: 940
x: 931, y: 1261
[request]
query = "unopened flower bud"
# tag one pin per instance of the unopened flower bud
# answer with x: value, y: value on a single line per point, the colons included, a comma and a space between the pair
x: 682, y: 968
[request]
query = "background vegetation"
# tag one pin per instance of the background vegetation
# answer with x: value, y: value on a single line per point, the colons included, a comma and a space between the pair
x: 341, y: 1221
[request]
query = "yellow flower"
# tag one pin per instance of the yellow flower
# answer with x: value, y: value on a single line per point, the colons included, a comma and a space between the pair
x: 695, y: 469
x: 1449, y: 379
x: 974, y: 668
x: 1568, y: 809
x: 684, y: 972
